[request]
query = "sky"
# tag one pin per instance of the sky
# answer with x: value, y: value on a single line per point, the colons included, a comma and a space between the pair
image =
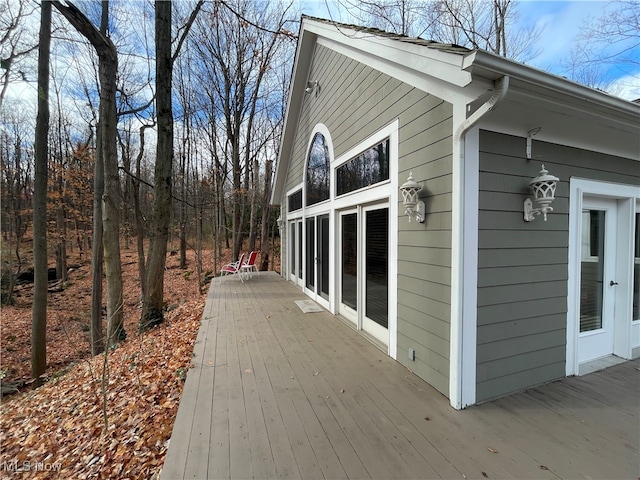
x: 560, y: 23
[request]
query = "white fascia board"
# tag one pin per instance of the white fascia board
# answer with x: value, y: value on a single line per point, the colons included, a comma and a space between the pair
x: 434, y: 71
x: 404, y: 68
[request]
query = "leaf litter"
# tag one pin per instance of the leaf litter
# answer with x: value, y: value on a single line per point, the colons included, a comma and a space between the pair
x: 58, y: 430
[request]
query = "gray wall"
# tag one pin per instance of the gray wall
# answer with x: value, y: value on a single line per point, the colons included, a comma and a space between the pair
x: 522, y: 266
x: 355, y: 102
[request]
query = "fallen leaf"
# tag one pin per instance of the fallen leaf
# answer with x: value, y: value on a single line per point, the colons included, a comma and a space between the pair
x: 542, y: 467
x: 316, y: 374
x: 484, y: 474
x: 492, y: 450
x: 427, y: 418
x: 342, y: 390
x: 248, y: 370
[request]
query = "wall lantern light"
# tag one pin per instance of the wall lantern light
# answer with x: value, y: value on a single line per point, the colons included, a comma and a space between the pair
x: 279, y: 222
x: 544, y: 190
x: 413, y: 206
x: 313, y: 86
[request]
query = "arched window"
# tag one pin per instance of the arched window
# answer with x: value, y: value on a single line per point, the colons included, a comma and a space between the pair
x: 318, y: 170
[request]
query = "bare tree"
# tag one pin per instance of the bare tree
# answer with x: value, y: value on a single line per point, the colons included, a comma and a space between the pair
x: 487, y: 24
x: 237, y: 61
x: 16, y: 185
x: 607, y: 43
x: 16, y: 42
x: 39, y: 308
x: 161, y: 215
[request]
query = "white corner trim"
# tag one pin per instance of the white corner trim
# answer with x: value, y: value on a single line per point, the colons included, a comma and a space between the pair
x: 392, y: 131
x: 573, y: 294
x: 464, y: 271
x: 464, y: 243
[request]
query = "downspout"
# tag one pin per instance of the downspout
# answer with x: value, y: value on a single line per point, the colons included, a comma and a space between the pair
x: 501, y: 86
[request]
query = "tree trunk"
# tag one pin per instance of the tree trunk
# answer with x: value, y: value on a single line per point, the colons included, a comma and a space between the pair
x: 253, y: 217
x: 111, y: 199
x: 264, y: 230
x: 152, y: 313
x: 107, y: 70
x: 142, y: 271
x: 97, y: 253
x: 39, y: 308
x: 183, y: 205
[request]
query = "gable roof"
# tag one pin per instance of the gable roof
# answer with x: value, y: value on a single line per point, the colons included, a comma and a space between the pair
x: 458, y: 74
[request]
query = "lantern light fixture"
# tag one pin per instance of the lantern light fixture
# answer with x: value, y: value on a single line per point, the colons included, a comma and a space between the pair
x: 313, y: 86
x: 279, y: 222
x: 413, y: 206
x: 544, y: 190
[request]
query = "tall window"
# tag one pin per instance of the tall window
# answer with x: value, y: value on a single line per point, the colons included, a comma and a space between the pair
x: 318, y: 169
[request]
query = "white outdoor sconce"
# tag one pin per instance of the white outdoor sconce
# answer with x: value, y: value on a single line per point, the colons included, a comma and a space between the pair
x: 313, y: 86
x: 544, y: 190
x: 413, y: 206
x: 279, y: 222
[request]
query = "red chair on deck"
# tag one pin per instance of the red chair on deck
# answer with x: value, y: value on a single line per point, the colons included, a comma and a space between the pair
x: 250, y: 265
x: 233, y: 268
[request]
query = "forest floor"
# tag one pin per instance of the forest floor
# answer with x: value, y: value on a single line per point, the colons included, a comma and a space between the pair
x: 100, y: 417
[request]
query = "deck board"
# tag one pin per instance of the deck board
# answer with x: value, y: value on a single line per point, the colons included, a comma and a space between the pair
x: 276, y: 393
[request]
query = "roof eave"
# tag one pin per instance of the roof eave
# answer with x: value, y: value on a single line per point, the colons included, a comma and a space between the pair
x: 487, y: 65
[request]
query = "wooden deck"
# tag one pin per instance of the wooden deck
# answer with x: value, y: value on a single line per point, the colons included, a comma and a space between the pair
x: 276, y: 393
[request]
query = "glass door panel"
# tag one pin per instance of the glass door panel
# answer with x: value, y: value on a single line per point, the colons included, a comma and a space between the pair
x: 323, y: 256
x: 299, y: 249
x: 292, y: 249
x: 592, y: 270
x: 310, y: 261
x: 376, y: 266
x: 349, y: 260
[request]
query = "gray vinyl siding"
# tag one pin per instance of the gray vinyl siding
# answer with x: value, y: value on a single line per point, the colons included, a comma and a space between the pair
x: 523, y: 266
x: 355, y: 102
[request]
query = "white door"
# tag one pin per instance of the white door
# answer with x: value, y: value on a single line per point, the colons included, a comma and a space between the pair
x: 375, y: 285
x: 364, y: 269
x: 598, y: 280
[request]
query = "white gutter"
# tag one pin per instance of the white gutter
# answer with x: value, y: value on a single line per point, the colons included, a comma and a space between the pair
x: 462, y: 373
x: 480, y: 61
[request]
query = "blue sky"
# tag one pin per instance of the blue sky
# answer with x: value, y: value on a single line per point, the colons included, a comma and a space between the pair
x: 560, y: 23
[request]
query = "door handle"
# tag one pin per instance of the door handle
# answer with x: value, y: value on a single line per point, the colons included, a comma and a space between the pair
x: 612, y: 283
